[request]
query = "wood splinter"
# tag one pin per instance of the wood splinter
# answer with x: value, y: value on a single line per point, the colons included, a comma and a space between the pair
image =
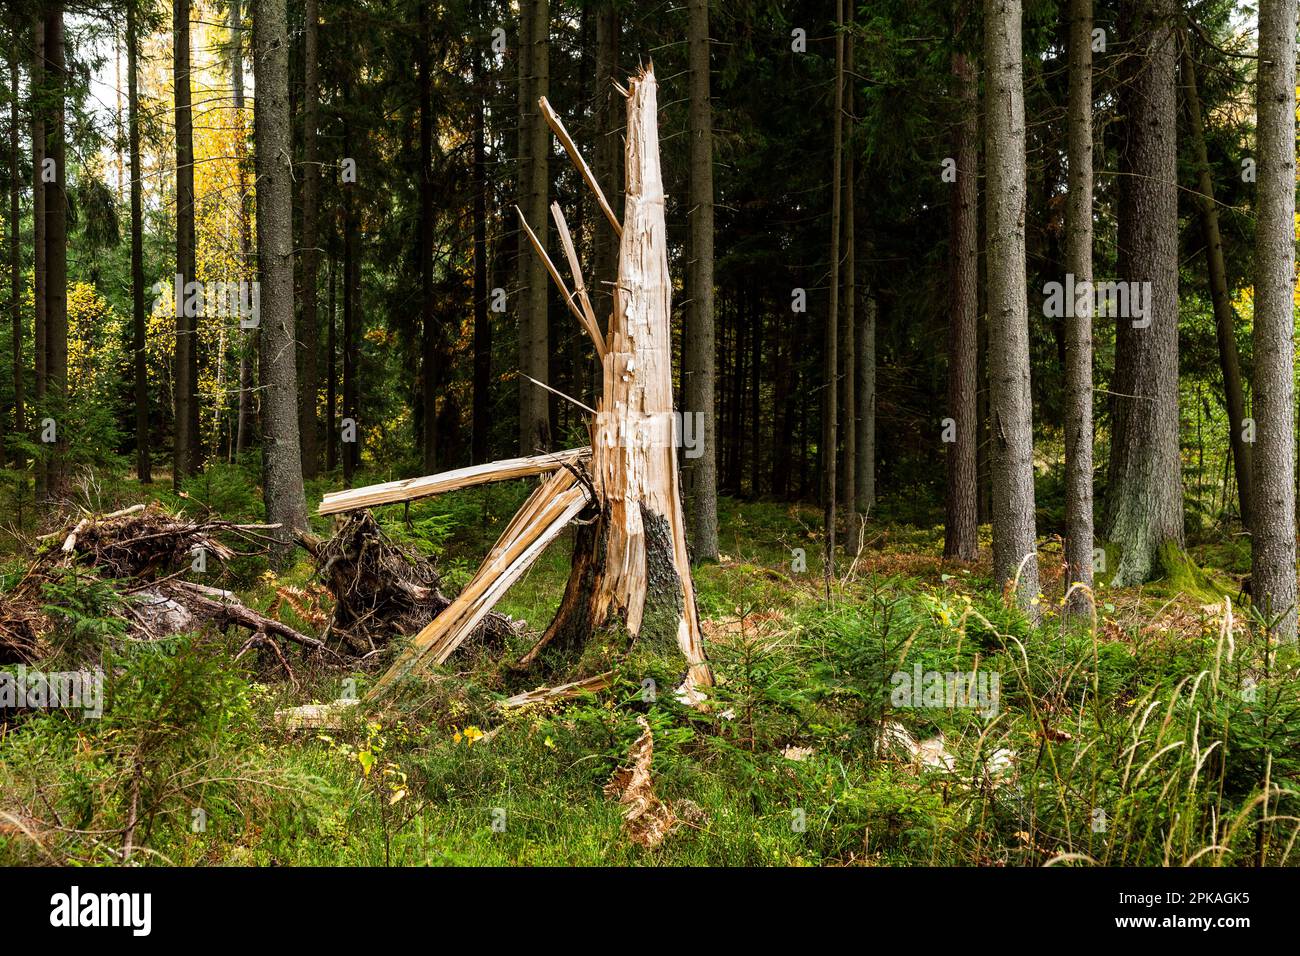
x: 630, y: 565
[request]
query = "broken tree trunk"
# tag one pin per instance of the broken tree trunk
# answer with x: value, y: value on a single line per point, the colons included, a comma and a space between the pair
x: 630, y: 564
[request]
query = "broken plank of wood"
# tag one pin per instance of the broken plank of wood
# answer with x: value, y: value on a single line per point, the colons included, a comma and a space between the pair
x: 544, y: 515
x: 409, y: 489
x: 540, y: 695
x: 331, y: 716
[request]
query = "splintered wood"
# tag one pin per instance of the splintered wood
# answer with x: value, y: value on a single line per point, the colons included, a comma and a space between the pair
x: 634, y: 455
x: 630, y: 564
x: 544, y: 515
x: 409, y: 489
x: 544, y: 695
x: 646, y: 818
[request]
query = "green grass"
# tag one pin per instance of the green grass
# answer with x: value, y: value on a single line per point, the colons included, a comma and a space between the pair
x: 1172, y: 731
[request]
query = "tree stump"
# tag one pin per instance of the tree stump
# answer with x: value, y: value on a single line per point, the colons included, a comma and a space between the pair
x: 630, y: 565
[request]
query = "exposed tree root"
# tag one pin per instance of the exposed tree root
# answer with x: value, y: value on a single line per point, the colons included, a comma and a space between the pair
x: 383, y: 591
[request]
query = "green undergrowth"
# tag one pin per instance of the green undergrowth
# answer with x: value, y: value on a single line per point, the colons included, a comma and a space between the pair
x: 1125, y: 743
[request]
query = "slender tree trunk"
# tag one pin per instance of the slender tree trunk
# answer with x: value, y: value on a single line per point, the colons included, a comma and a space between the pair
x: 331, y: 365
x: 961, y: 527
x: 56, y: 251
x: 248, y: 343
x: 1078, y: 335
x: 534, y: 143
x: 805, y: 483
x: 1224, y: 319
x: 117, y: 114
x: 139, y: 360
x: 984, y: 458
x: 185, y: 455
x: 281, y: 453
x: 351, y: 295
x: 853, y: 528
x: 578, y: 357
x: 310, y: 335
x: 755, y: 395
x: 480, y: 450
x: 428, y: 321
x: 15, y: 248
x: 864, y: 339
x: 527, y: 117
x: 736, y: 432
x: 782, y: 410
x: 700, y: 476
x: 40, y: 267
x: 609, y: 162
x: 1014, y: 544
x: 1273, y: 546
x: 830, y: 398
x: 538, y: 290
x: 1144, y: 500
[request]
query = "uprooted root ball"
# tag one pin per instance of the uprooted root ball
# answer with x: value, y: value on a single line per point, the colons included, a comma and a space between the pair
x: 384, y: 591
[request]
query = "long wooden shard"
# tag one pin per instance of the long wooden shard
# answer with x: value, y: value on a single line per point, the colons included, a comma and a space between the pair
x: 555, y: 503
x: 542, y: 695
x: 557, y: 126
x: 592, y: 329
x: 409, y: 489
x: 579, y: 286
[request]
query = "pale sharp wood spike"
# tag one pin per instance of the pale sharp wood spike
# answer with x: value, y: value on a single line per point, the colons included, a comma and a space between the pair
x: 559, y: 282
x: 557, y: 126
x: 579, y: 286
x: 559, y: 394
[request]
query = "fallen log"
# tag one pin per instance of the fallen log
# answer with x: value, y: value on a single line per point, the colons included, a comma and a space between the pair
x: 410, y: 489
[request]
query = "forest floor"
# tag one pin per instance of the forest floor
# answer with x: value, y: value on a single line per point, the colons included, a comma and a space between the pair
x: 1161, y: 734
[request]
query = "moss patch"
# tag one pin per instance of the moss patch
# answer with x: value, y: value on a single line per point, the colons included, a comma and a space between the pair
x: 1179, y: 573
